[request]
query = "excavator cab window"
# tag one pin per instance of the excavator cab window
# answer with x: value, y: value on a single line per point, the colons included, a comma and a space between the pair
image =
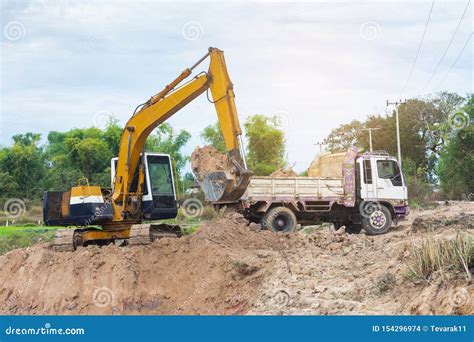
x: 160, y: 175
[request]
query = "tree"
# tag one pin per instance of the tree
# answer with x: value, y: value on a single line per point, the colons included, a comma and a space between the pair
x: 345, y: 136
x: 166, y: 140
x: 266, y: 144
x: 456, y: 163
x: 22, y: 167
x: 212, y: 135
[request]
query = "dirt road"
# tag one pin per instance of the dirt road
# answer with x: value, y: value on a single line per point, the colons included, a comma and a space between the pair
x: 230, y: 268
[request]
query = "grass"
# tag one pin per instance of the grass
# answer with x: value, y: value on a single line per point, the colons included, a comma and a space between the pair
x: 439, y: 259
x: 25, y: 232
x: 385, y: 282
x: 14, y: 237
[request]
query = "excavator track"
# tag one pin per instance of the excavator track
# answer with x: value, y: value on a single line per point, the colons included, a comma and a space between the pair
x: 144, y: 234
x: 63, y: 240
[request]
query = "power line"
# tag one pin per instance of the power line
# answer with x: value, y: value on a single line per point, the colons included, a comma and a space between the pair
x: 455, y: 62
x: 419, y: 49
x: 447, y: 47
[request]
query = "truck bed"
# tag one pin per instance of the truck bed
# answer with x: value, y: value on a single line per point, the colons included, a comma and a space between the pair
x: 261, y: 188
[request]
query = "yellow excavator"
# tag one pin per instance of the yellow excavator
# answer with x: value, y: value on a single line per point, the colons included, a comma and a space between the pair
x: 143, y: 187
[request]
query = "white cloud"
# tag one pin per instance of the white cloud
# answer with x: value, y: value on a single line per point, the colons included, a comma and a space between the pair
x: 307, y: 59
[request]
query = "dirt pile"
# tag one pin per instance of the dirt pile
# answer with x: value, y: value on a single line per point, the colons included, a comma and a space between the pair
x: 206, y: 160
x: 215, y: 271
x: 227, y: 267
x: 284, y: 173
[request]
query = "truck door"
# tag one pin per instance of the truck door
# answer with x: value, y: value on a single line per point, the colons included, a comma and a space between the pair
x: 388, y: 179
x: 368, y: 190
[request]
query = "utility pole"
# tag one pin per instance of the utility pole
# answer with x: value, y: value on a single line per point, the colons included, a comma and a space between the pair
x: 370, y: 134
x: 320, y: 144
x: 397, y: 103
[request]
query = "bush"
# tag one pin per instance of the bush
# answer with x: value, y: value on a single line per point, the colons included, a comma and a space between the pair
x: 437, y: 258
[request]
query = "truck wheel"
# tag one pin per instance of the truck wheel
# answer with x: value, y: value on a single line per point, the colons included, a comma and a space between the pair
x: 280, y: 220
x: 353, y: 228
x: 378, y: 222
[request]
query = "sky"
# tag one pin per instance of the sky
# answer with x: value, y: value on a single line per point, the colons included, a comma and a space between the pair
x: 314, y: 64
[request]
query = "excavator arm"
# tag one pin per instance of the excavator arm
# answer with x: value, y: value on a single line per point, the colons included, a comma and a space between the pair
x: 221, y: 186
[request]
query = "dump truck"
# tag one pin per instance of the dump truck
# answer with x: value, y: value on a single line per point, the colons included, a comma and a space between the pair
x: 352, y: 189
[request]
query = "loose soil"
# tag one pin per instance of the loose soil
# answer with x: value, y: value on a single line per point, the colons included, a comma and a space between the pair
x: 206, y: 160
x: 230, y: 268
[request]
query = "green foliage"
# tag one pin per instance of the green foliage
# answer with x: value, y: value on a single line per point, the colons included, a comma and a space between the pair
x: 19, y: 237
x: 431, y: 147
x: 456, y: 164
x: 22, y: 167
x: 166, y: 140
x: 212, y: 135
x: 80, y: 152
x: 345, y: 136
x: 266, y: 144
x: 27, y: 169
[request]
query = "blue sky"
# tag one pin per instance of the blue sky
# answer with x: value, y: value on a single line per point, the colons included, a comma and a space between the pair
x: 316, y: 64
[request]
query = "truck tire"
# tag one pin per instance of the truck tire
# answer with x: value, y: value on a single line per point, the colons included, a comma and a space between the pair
x: 378, y: 222
x: 353, y: 228
x: 279, y: 220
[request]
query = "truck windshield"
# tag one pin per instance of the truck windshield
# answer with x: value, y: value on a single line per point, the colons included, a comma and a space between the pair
x: 160, y: 175
x: 388, y: 169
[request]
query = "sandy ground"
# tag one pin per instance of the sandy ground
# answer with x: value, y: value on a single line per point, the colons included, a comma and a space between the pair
x: 228, y: 267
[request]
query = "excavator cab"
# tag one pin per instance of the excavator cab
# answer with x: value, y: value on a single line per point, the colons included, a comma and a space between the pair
x: 86, y: 204
x: 159, y: 200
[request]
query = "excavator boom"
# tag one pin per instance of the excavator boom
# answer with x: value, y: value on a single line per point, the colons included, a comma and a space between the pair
x: 226, y: 186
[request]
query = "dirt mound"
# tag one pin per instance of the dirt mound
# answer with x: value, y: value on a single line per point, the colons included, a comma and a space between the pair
x: 228, y: 267
x: 206, y: 160
x: 215, y: 271
x: 284, y: 173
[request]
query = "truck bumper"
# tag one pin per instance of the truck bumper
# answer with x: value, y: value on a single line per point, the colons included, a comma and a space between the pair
x: 401, y: 212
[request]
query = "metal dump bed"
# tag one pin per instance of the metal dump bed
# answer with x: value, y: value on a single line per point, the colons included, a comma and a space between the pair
x: 294, y: 187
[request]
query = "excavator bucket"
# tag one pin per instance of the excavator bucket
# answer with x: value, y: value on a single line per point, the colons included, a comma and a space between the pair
x: 221, y: 178
x: 224, y: 186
